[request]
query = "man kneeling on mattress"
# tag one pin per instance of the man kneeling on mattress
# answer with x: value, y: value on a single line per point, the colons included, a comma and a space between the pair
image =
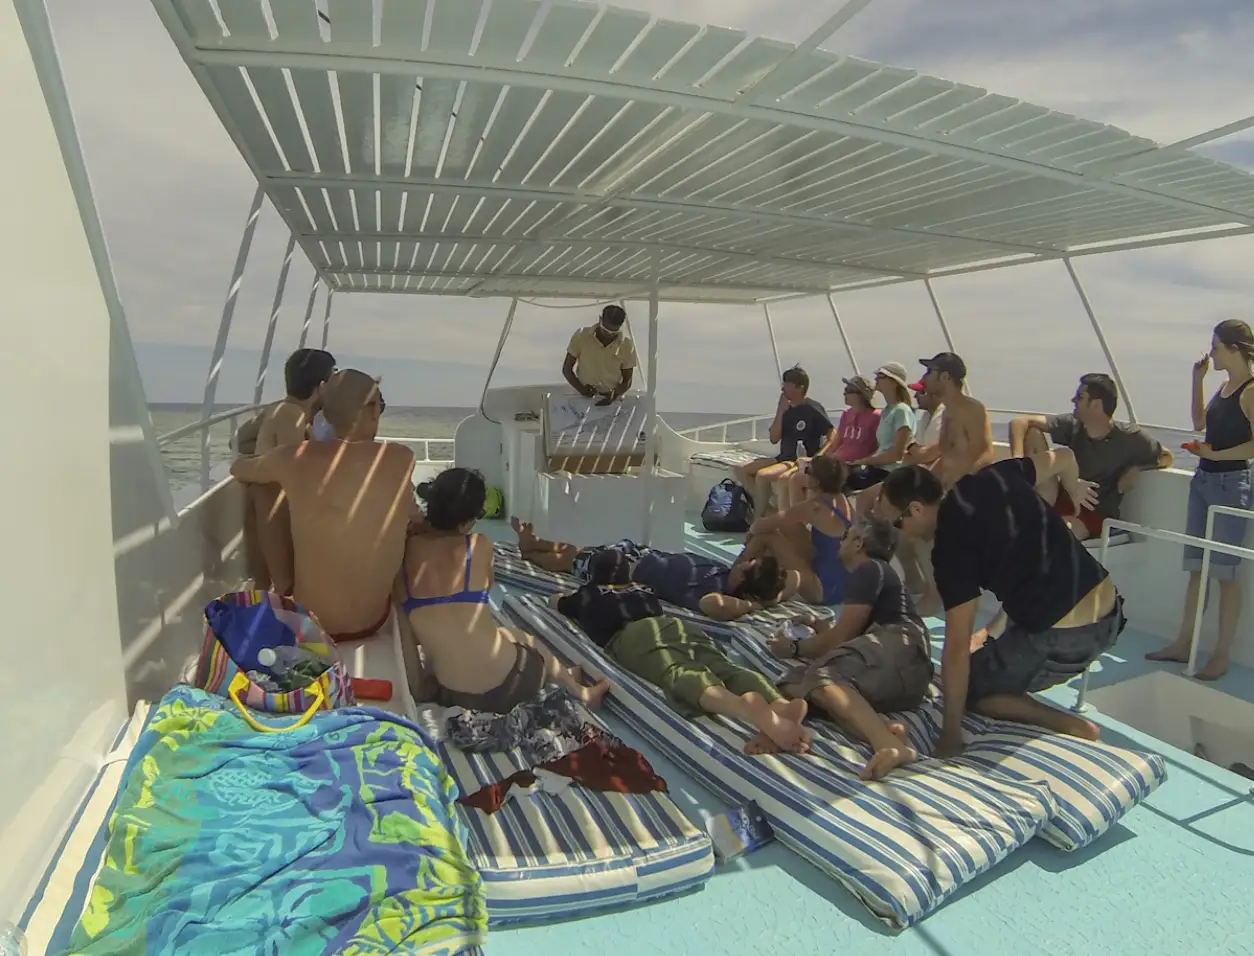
x: 628, y: 621
x: 874, y: 659
x: 1060, y: 610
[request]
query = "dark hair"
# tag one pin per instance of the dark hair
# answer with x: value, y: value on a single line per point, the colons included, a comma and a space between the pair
x: 609, y: 566
x: 453, y: 497
x: 763, y: 581
x: 830, y: 473
x: 1236, y: 334
x: 797, y: 376
x: 911, y: 483
x: 305, y: 370
x: 613, y: 316
x: 1102, y: 387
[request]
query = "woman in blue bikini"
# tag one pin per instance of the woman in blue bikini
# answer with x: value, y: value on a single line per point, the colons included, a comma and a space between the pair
x: 806, y: 538
x: 443, y: 589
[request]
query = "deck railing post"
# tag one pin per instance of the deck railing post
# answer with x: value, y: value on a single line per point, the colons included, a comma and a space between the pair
x: 326, y: 319
x: 770, y: 330
x: 844, y: 337
x: 224, y: 330
x: 273, y: 324
x: 304, y: 328
x: 650, y: 415
x: 500, y: 347
x: 1101, y: 338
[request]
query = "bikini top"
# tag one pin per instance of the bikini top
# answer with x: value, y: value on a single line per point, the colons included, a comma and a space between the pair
x: 464, y: 596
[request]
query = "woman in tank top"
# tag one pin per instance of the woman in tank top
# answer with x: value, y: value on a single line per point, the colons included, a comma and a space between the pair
x: 1222, y: 478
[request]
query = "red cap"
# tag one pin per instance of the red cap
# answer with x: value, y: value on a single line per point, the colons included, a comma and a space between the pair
x: 917, y: 386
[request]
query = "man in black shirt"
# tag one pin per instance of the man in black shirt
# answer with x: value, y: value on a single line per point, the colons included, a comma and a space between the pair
x: 678, y: 657
x: 799, y: 421
x: 1060, y: 610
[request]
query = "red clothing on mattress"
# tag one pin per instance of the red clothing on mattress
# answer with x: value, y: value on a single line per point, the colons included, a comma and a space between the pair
x: 613, y: 768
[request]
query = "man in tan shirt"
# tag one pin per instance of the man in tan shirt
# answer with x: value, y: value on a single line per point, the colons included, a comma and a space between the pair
x: 601, y: 358
x: 351, y: 500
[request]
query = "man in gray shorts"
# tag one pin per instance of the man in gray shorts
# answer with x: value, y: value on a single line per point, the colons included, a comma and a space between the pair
x: 874, y: 659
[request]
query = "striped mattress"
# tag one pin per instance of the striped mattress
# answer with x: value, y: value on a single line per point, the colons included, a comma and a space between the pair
x: 1094, y: 784
x: 724, y: 457
x: 573, y: 852
x: 902, y: 846
x: 512, y: 569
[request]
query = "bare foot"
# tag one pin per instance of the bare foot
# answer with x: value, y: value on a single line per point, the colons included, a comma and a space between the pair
x: 592, y: 696
x: 978, y: 639
x: 515, y: 524
x: 886, y: 760
x: 898, y: 730
x: 780, y: 722
x: 1177, y: 653
x: 1074, y: 726
x: 1215, y: 668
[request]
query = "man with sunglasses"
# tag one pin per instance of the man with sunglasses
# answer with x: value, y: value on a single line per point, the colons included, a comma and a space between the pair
x: 351, y: 501
x: 1059, y: 607
x: 601, y: 359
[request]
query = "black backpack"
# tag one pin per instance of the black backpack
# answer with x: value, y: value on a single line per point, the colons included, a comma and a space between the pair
x: 727, y: 508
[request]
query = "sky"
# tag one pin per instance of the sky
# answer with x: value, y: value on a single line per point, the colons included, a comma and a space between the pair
x: 173, y: 194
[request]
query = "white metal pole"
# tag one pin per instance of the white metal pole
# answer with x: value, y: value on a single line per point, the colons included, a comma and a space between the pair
x: 1203, y: 589
x: 1101, y: 338
x: 644, y: 372
x: 274, y: 320
x: 940, y: 316
x: 500, y: 347
x: 304, y: 329
x: 326, y: 318
x: 650, y: 416
x: 770, y: 329
x: 844, y: 337
x: 224, y: 330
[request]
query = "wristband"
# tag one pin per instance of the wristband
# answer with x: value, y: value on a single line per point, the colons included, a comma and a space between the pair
x: 796, y: 649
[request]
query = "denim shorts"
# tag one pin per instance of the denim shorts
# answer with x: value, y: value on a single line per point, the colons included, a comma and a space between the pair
x: 1231, y: 488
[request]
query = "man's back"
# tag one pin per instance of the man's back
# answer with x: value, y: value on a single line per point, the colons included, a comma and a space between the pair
x: 994, y: 532
x: 350, y: 505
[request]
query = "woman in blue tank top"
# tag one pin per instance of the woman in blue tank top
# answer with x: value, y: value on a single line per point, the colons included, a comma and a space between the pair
x: 806, y: 538
x: 1222, y: 478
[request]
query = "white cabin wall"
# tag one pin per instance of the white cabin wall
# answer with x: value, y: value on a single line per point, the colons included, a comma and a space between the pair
x: 62, y: 696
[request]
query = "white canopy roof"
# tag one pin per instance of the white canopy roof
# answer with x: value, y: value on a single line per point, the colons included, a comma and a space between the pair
x: 496, y: 148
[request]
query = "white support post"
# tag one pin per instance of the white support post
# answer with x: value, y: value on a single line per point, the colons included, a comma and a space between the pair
x: 274, y: 320
x: 940, y: 316
x: 644, y: 372
x: 770, y: 329
x: 500, y: 347
x: 844, y: 337
x: 224, y: 330
x: 1101, y: 338
x: 326, y: 318
x: 304, y: 329
x: 650, y: 416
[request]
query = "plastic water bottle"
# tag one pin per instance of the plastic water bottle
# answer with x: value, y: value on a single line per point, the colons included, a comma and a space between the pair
x: 797, y: 632
x: 12, y: 940
x: 293, y: 666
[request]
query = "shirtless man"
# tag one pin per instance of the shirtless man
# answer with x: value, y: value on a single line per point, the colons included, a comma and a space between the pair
x: 966, y: 434
x: 267, y: 521
x: 351, y: 502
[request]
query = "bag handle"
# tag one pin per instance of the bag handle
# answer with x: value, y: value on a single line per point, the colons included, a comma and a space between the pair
x: 240, y: 682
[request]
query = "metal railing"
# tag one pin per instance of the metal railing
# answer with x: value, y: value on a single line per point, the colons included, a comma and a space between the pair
x: 423, y: 443
x: 200, y: 424
x: 1020, y: 413
x: 1206, y: 545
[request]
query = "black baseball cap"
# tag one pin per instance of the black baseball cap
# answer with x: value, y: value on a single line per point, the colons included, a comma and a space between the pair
x: 947, y: 362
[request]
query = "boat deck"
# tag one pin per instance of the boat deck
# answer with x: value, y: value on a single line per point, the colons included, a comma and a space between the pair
x: 1175, y: 875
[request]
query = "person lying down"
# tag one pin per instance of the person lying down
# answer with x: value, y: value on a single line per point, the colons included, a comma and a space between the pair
x: 875, y: 659
x: 687, y: 580
x: 443, y: 589
x: 628, y: 621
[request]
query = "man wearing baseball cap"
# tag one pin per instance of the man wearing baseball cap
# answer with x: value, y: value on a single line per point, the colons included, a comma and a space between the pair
x: 966, y: 434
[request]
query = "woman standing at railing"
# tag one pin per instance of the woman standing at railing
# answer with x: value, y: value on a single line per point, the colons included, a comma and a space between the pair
x: 1222, y: 478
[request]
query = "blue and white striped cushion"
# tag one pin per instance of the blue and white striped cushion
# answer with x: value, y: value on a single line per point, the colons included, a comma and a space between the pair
x: 60, y: 897
x: 1094, y: 785
x: 902, y: 846
x: 511, y: 568
x: 572, y: 852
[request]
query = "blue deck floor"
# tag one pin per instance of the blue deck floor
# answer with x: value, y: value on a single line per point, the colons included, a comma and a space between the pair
x: 1176, y: 876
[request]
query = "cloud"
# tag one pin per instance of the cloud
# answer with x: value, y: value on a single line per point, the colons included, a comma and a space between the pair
x: 174, y: 192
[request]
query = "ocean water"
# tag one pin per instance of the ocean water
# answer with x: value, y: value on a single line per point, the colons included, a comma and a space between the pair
x: 182, y: 455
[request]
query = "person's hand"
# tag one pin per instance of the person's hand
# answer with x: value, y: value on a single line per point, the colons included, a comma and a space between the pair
x: 1201, y: 366
x: 605, y: 400
x: 587, y: 391
x: 950, y: 745
x: 1083, y: 493
x: 781, y: 647
x: 783, y: 401
x: 1203, y: 450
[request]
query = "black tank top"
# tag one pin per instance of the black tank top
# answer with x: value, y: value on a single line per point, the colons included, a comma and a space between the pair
x: 1226, y: 427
